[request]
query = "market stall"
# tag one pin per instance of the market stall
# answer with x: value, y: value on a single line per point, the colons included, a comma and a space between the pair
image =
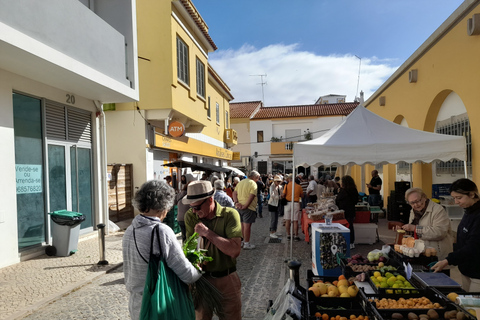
x: 365, y: 138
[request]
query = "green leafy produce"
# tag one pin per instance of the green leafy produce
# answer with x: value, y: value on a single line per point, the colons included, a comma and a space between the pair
x: 196, y: 256
x: 204, y: 294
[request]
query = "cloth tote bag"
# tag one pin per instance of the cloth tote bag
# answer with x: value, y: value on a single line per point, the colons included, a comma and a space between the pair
x: 165, y: 296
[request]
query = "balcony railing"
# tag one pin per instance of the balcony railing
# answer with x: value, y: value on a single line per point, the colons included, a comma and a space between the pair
x: 231, y: 137
x: 284, y: 147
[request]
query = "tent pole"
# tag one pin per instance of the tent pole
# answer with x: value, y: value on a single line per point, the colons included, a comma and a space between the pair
x: 292, y: 211
x: 410, y: 166
x: 362, y: 172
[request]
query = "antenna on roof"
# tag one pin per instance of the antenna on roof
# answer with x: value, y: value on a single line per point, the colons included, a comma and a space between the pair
x: 358, y: 81
x: 261, y: 83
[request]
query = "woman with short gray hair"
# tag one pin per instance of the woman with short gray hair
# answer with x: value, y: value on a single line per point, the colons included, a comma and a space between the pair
x: 154, y: 199
x: 429, y: 221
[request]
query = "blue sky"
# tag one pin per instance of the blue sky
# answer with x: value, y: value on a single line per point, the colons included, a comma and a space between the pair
x: 307, y: 48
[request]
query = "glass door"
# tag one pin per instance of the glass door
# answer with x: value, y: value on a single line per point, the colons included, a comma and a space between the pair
x: 57, y: 183
x: 70, y: 180
x: 81, y: 183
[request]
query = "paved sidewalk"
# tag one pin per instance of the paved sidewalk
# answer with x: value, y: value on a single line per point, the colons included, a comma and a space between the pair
x: 28, y: 285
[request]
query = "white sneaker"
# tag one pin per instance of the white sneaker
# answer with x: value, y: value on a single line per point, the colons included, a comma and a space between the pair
x: 273, y: 236
x: 248, y: 246
x: 352, y: 246
x: 241, y: 245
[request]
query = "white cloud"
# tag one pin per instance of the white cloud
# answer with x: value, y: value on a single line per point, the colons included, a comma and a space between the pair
x: 296, y: 77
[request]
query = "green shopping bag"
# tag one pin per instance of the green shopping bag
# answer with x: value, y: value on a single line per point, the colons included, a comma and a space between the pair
x: 165, y: 296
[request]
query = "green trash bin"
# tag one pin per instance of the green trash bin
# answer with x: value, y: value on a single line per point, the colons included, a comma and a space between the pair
x: 65, y: 229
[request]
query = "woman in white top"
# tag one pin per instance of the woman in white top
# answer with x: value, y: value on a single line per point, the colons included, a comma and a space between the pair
x: 273, y: 203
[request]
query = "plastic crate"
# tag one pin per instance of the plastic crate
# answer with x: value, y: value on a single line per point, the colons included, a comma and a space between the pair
x: 362, y: 217
x: 312, y: 309
x: 379, y: 314
x: 348, y: 271
x: 391, y: 291
x: 419, y: 263
x: 330, y: 302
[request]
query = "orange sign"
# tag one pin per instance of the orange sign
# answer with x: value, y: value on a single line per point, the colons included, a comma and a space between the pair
x: 176, y: 129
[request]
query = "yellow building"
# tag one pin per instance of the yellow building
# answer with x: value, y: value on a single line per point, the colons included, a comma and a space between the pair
x: 436, y: 90
x: 183, y: 111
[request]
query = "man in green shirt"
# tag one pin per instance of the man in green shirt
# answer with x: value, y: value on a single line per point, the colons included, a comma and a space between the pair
x: 221, y: 231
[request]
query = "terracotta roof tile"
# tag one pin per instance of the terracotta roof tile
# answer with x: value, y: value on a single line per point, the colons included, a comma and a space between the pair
x: 313, y: 110
x: 244, y: 109
x: 190, y: 7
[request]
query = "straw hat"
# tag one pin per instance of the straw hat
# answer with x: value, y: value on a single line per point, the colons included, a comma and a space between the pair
x: 198, y: 190
x: 277, y: 178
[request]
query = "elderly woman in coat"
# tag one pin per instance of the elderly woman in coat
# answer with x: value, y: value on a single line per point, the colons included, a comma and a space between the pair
x: 429, y: 221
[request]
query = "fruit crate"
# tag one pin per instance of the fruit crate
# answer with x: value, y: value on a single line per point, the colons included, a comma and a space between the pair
x: 334, y: 303
x: 389, y: 290
x: 380, y: 314
x: 419, y: 263
x: 386, y: 314
x: 461, y: 292
x: 342, y: 313
x: 349, y: 272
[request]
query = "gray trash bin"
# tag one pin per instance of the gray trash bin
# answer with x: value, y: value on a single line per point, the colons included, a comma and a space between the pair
x: 65, y: 229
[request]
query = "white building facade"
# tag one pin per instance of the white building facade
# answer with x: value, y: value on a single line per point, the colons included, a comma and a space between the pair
x: 60, y: 62
x: 273, y: 131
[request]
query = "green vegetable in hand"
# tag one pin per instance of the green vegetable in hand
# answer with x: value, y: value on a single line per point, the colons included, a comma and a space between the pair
x: 203, y: 292
x: 196, y: 256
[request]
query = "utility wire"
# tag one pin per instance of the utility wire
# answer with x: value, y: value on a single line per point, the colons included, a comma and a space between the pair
x: 284, y: 139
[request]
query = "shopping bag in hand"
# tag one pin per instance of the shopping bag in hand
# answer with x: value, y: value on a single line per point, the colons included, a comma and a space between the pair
x: 165, y: 296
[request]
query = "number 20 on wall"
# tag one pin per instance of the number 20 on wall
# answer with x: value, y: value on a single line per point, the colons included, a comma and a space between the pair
x: 70, y: 98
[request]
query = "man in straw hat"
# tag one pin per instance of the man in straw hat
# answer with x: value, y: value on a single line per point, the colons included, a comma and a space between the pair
x: 221, y: 231
x: 245, y: 198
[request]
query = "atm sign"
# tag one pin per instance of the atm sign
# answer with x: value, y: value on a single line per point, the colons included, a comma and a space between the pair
x: 176, y: 129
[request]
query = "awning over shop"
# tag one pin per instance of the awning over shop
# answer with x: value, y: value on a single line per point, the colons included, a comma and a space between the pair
x: 197, y: 166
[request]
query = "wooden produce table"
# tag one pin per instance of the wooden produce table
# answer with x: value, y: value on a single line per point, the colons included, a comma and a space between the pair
x: 306, y: 222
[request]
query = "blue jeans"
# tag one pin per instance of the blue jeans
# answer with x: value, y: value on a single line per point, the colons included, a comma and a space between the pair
x: 374, y: 200
x: 260, y: 205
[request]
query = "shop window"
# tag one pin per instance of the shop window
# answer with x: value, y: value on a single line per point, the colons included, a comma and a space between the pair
x: 31, y: 215
x: 262, y: 167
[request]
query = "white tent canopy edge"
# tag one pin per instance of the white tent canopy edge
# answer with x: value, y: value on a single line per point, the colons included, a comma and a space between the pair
x: 366, y: 138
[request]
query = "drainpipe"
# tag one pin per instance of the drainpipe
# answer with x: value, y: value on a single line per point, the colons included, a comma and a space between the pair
x: 103, y: 166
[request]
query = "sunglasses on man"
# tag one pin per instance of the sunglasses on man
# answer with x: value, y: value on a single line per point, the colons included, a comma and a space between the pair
x: 198, y: 206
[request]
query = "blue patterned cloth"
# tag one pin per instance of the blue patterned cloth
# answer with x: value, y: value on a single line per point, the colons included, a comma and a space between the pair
x: 223, y: 199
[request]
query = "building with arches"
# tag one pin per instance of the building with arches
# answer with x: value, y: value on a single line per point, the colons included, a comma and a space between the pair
x: 436, y: 90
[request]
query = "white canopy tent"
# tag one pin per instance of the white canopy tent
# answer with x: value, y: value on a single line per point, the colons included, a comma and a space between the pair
x: 364, y: 137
